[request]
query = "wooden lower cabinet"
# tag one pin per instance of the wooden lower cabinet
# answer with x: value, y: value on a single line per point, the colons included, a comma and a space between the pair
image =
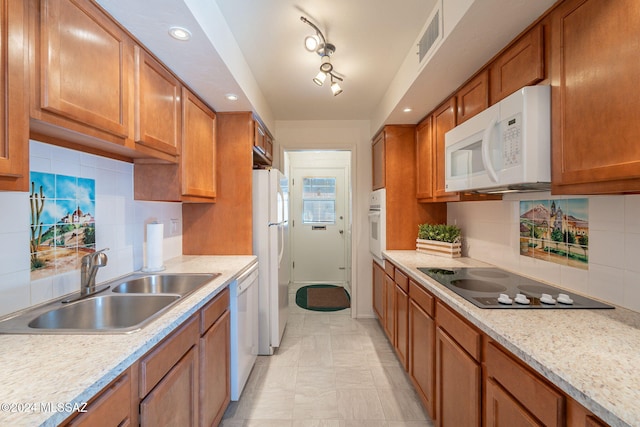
x: 401, y: 313
x: 389, y: 308
x: 378, y: 291
x: 458, y: 384
x: 174, y: 400
x: 182, y: 381
x: 462, y: 377
x: 422, y: 331
x: 502, y: 410
x: 215, y: 365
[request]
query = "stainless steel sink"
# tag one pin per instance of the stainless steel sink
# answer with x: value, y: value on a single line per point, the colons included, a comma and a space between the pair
x: 181, y: 284
x: 129, y: 303
x: 104, y: 313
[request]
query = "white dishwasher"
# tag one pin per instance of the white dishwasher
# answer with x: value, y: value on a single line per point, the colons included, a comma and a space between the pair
x: 244, y: 328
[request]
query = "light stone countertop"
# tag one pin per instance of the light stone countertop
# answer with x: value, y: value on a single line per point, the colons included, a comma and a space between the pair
x: 70, y: 369
x: 592, y: 355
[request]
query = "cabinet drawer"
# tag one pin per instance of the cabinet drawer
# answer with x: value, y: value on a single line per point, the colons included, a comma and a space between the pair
x: 402, y: 280
x: 458, y: 329
x: 424, y: 299
x: 213, y: 310
x: 112, y: 407
x: 389, y: 269
x: 532, y: 392
x: 165, y: 355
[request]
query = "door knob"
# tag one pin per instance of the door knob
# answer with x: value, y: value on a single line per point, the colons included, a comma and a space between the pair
x: 341, y: 231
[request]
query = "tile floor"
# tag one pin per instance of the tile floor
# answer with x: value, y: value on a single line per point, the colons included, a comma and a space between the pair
x: 330, y: 371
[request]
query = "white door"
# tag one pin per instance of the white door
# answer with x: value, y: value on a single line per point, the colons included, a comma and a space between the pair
x: 319, y: 224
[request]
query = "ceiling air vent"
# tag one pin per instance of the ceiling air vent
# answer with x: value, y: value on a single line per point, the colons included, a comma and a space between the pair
x: 431, y: 35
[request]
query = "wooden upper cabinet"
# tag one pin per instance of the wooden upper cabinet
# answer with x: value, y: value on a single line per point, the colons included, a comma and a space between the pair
x: 378, y: 162
x: 158, y: 113
x: 521, y: 64
x: 595, y: 108
x: 424, y: 159
x: 230, y: 218
x: 444, y: 119
x: 14, y: 124
x: 80, y: 69
x: 194, y: 177
x: 473, y: 97
x: 198, y: 160
x: 262, y: 145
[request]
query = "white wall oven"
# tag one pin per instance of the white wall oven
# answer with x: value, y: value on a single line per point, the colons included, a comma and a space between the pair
x: 377, y: 223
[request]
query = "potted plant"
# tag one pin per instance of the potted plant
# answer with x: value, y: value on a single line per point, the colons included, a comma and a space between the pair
x: 439, y: 239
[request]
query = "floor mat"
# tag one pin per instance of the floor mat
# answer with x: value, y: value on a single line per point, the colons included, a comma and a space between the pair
x: 323, y: 298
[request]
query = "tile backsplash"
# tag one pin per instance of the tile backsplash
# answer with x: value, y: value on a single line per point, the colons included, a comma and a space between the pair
x: 492, y: 233
x: 119, y: 225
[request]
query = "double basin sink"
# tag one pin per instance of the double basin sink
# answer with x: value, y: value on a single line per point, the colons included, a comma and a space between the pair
x: 123, y: 305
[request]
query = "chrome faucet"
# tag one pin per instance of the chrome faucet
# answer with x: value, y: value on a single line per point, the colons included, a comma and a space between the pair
x: 88, y: 270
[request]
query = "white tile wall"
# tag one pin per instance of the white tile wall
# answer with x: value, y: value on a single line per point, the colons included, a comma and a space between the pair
x: 120, y: 226
x: 490, y: 231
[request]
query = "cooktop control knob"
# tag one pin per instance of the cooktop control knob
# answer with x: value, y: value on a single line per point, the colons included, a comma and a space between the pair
x: 565, y: 299
x: 504, y: 299
x: 547, y: 299
x: 522, y: 299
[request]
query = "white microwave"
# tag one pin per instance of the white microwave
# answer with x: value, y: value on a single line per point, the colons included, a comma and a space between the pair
x: 505, y: 148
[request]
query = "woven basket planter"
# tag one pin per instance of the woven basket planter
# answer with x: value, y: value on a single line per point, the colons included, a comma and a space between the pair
x: 444, y: 249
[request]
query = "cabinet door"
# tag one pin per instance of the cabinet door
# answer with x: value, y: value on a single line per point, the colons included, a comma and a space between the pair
x: 473, y: 97
x: 501, y: 410
x: 198, y: 161
x: 378, y: 160
x: 422, y: 355
x: 174, y: 401
x: 529, y: 390
x: 14, y: 125
x: 82, y: 59
x: 458, y: 384
x: 402, y: 325
x: 522, y: 64
x: 389, y: 308
x: 378, y: 291
x: 596, y: 114
x: 215, y: 364
x: 424, y: 160
x: 444, y: 119
x: 157, y: 105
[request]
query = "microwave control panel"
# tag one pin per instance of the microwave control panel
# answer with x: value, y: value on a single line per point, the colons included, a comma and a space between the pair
x: 512, y: 141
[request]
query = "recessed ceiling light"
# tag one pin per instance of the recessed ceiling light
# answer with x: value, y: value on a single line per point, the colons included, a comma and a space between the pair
x: 232, y: 97
x: 407, y: 110
x: 180, y: 33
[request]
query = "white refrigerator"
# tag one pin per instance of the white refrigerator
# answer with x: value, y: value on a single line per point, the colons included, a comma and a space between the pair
x: 271, y: 245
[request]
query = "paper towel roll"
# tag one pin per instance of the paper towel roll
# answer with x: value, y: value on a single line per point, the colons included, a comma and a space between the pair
x: 155, y: 235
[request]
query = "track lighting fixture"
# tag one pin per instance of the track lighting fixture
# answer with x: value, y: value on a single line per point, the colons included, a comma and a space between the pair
x: 318, y: 43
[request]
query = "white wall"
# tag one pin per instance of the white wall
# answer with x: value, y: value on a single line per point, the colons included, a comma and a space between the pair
x: 491, y: 233
x: 120, y: 226
x: 341, y: 134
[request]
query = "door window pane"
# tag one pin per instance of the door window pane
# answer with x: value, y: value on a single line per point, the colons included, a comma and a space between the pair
x: 319, y: 200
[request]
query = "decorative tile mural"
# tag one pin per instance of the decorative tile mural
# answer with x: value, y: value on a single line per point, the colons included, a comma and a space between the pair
x: 556, y: 231
x: 62, y: 226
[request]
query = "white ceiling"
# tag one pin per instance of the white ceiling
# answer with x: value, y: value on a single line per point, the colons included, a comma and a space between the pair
x: 254, y: 48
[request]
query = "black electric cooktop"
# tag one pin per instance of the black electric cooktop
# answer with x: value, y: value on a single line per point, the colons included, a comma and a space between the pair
x: 496, y: 288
